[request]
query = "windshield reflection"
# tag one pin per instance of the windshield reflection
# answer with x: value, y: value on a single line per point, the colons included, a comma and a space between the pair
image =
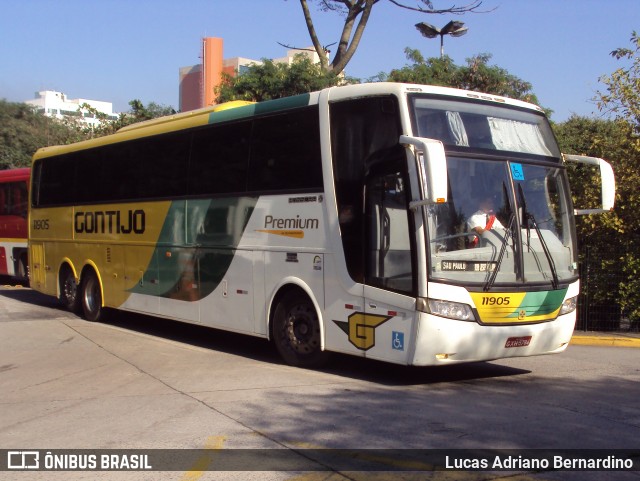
x: 470, y: 125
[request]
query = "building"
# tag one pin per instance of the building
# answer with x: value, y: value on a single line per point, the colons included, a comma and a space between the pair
x: 58, y: 105
x: 198, y: 82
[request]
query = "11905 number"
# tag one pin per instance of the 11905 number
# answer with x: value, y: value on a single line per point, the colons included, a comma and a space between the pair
x: 496, y: 301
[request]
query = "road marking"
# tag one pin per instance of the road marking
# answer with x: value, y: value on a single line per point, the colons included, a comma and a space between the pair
x: 202, y: 464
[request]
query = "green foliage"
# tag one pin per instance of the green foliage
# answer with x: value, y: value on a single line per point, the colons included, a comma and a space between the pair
x: 610, y: 241
x: 477, y: 75
x: 138, y: 113
x: 622, y: 96
x: 23, y: 131
x: 271, y: 80
x: 432, y: 71
x: 617, y: 240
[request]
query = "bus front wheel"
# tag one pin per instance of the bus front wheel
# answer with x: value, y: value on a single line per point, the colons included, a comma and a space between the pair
x: 91, y: 296
x: 296, y: 331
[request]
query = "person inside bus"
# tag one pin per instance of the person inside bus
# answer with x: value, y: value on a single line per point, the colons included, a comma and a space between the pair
x: 483, y: 219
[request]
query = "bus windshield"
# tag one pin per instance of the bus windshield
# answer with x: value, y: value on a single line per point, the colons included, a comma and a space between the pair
x: 507, y: 219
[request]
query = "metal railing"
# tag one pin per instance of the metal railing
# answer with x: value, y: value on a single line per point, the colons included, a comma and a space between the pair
x: 599, y: 307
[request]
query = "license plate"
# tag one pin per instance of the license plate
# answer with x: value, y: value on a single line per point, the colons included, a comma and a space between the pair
x: 518, y: 341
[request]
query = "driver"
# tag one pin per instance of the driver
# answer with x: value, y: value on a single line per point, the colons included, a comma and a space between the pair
x: 483, y: 219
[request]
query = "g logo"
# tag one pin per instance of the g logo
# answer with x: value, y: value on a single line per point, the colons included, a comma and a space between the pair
x: 361, y: 329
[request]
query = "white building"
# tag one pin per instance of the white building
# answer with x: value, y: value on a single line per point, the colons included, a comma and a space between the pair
x: 58, y: 105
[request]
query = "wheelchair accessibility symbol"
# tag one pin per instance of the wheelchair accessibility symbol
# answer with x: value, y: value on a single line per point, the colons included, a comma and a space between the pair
x: 397, y: 340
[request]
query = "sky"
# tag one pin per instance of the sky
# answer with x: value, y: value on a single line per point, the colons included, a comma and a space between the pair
x: 120, y: 50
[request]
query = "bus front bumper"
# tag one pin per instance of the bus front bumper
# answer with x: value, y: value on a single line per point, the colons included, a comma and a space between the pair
x: 442, y: 341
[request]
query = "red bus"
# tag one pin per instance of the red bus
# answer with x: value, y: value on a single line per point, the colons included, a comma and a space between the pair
x: 13, y: 222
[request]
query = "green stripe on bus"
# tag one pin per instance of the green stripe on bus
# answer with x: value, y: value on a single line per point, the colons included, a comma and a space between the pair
x: 191, y: 268
x: 260, y: 108
x: 540, y: 303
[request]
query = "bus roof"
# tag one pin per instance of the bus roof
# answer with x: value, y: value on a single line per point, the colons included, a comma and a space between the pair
x: 185, y: 115
x: 208, y: 115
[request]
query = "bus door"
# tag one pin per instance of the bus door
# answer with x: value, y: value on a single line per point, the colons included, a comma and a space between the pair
x: 389, y: 266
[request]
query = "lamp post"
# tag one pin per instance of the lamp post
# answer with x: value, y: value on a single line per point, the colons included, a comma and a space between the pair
x: 453, y: 28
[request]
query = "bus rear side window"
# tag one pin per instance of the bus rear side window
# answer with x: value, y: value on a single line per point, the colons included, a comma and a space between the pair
x: 57, y: 180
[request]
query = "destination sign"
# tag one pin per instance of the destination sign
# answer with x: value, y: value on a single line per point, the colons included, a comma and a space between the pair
x: 469, y: 266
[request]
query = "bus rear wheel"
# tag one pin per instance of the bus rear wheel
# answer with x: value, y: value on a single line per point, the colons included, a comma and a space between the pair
x: 296, y: 331
x: 69, y: 295
x: 91, y: 297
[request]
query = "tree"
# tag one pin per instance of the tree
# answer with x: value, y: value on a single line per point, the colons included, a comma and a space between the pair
x: 608, y: 243
x: 23, y: 131
x: 356, y: 14
x: 271, y: 80
x: 138, y: 113
x: 622, y: 96
x: 622, y: 99
x: 431, y: 71
x: 477, y: 75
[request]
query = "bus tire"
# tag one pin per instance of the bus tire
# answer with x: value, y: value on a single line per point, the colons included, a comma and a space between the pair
x: 69, y: 291
x: 91, y: 297
x: 296, y: 330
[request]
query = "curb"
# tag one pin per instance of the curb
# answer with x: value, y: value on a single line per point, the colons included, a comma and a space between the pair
x: 617, y: 341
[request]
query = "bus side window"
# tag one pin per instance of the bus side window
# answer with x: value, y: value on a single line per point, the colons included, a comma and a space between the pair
x: 3, y: 200
x: 285, y: 152
x: 219, y: 159
x: 19, y: 199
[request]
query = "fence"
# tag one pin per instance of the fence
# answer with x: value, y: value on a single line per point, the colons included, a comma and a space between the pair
x: 599, y: 308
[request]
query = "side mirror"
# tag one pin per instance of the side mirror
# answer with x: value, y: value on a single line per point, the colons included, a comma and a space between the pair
x: 431, y: 163
x: 607, y: 180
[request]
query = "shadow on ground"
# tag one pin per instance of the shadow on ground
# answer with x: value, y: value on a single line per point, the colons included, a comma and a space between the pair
x: 262, y: 350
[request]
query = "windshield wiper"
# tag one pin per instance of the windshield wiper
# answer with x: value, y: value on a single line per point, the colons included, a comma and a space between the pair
x: 527, y: 216
x: 503, y: 248
x: 508, y: 233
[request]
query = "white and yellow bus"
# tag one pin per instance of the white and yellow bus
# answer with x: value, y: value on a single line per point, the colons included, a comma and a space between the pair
x: 344, y: 220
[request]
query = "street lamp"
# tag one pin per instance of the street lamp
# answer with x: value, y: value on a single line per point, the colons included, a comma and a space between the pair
x: 453, y: 28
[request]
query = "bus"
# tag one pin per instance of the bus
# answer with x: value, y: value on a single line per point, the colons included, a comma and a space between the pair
x: 13, y: 223
x: 334, y: 221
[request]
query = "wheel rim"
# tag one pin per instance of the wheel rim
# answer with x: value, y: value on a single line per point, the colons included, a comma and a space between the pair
x: 301, y: 329
x: 70, y: 289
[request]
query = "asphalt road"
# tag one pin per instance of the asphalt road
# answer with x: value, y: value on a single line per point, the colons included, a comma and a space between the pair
x: 139, y: 382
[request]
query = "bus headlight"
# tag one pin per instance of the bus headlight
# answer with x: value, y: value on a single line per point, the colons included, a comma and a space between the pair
x: 451, y: 310
x: 569, y: 305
